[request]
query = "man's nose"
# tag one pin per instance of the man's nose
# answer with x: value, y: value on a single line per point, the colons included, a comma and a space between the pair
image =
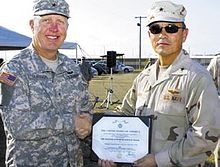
x: 54, y: 27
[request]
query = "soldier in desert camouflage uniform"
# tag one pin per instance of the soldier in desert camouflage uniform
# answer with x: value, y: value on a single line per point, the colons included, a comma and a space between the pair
x: 214, y: 69
x: 178, y: 92
x: 45, y: 106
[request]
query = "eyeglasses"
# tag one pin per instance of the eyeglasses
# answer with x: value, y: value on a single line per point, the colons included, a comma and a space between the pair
x: 170, y: 28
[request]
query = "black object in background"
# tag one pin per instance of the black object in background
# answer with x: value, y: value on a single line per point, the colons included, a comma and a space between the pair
x: 111, y: 59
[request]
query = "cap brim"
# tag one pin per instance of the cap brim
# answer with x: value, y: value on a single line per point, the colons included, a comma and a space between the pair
x: 165, y: 19
x: 48, y: 12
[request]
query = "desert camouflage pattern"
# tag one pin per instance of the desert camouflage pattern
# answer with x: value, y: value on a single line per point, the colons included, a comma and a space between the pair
x: 214, y: 69
x: 38, y: 112
x: 166, y: 11
x: 185, y: 108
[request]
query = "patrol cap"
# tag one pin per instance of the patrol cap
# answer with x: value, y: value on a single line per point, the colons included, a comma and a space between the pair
x: 45, y: 7
x: 166, y: 11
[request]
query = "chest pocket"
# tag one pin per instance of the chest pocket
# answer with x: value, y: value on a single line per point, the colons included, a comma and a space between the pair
x: 172, y: 102
x: 69, y: 87
x: 171, y: 112
x: 144, y: 101
x: 40, y: 98
x: 70, y: 79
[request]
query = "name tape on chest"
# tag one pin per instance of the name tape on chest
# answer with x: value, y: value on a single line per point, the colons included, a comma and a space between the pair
x: 173, y: 95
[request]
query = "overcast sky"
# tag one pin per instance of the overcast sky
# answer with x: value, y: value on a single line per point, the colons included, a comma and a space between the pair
x: 102, y: 25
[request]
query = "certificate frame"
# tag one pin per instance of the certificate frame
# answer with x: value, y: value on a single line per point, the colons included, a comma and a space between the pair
x: 98, y: 118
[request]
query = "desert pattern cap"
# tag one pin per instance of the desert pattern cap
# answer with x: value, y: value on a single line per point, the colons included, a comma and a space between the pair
x: 166, y: 11
x: 44, y: 7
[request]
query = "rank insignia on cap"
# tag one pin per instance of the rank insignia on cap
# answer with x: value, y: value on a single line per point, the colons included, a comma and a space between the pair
x: 7, y: 79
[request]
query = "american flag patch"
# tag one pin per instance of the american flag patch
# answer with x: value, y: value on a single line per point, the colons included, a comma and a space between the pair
x: 7, y: 78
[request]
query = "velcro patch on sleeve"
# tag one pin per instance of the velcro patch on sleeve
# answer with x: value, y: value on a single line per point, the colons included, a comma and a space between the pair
x: 7, y: 78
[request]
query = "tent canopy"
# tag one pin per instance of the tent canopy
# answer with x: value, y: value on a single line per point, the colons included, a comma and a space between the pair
x: 11, y: 40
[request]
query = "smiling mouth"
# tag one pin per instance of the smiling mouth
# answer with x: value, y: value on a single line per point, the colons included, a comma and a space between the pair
x: 52, y: 37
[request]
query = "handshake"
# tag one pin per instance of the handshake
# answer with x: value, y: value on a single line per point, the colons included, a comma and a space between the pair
x: 83, y: 124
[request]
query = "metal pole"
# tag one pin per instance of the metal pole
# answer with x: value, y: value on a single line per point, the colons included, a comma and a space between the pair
x: 140, y: 45
x: 139, y: 24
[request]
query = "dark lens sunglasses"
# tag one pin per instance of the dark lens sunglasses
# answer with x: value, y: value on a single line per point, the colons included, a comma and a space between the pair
x: 170, y: 28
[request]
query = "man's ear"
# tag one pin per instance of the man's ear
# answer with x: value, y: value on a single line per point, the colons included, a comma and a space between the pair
x: 31, y: 23
x: 185, y: 34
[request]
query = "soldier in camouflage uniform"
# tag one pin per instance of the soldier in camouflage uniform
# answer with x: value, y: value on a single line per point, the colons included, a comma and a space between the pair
x: 45, y: 106
x: 178, y: 92
x: 86, y: 70
x: 214, y: 69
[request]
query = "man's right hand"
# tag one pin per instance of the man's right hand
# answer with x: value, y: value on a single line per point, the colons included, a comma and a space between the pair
x: 83, y: 125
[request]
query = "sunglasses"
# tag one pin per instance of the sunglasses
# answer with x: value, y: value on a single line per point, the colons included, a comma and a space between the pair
x: 170, y: 28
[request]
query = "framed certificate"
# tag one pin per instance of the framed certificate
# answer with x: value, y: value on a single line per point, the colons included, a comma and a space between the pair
x: 122, y: 139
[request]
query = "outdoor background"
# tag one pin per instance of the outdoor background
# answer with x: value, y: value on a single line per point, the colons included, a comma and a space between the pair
x: 100, y: 85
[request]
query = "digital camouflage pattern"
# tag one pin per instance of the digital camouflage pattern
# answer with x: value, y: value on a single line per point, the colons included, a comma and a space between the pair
x: 44, y: 7
x: 185, y: 108
x: 38, y: 111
